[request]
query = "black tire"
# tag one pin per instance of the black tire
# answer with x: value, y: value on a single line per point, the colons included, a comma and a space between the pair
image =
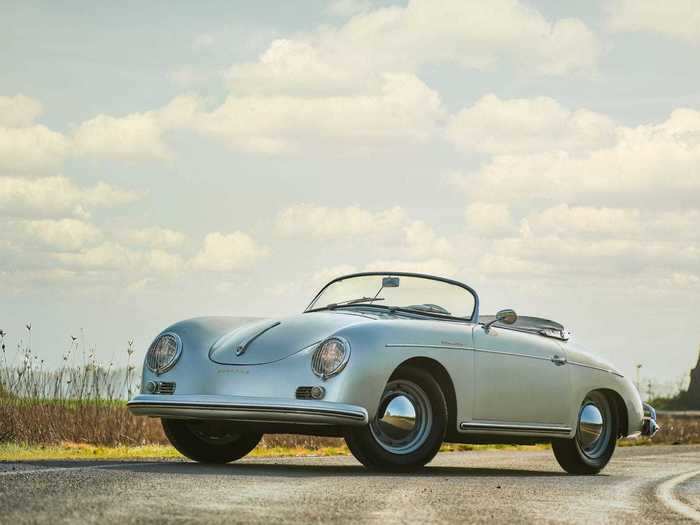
x: 209, y: 441
x: 370, y: 445
x: 578, y: 456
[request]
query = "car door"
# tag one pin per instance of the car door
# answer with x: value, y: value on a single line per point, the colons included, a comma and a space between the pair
x: 519, y: 378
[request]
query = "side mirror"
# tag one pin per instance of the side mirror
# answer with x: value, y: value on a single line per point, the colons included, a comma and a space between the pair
x: 507, y: 316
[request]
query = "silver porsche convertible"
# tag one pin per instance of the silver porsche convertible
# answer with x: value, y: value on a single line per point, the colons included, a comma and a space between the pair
x: 396, y: 363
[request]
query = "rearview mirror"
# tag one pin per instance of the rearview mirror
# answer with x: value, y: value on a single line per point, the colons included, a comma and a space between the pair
x: 507, y: 316
x: 390, y: 282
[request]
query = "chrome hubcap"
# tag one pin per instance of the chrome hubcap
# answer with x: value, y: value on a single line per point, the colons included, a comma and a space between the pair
x: 590, y: 425
x: 594, y: 430
x: 404, y: 418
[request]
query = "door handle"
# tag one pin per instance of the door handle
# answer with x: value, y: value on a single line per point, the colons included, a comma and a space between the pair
x: 559, y: 360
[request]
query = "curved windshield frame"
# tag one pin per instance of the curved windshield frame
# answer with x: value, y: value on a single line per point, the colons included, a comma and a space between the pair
x: 416, y: 293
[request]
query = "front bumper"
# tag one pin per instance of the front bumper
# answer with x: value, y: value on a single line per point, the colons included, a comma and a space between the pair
x: 649, y: 425
x: 248, y: 409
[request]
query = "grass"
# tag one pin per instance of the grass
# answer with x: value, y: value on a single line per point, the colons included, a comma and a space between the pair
x: 25, y: 452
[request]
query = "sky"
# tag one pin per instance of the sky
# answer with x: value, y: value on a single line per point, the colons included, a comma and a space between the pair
x: 161, y: 161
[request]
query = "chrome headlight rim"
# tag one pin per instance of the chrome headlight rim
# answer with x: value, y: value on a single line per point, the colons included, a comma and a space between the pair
x: 338, y: 369
x: 173, y: 360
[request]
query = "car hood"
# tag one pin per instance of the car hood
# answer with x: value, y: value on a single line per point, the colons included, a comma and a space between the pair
x: 274, y: 339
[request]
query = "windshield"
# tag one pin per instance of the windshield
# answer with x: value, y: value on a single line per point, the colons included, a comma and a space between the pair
x: 420, y: 294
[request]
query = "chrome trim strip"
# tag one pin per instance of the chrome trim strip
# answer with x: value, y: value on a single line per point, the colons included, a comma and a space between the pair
x: 412, y: 345
x: 592, y: 367
x: 455, y: 347
x: 514, y: 354
x: 515, y: 427
x: 500, y: 352
x: 241, y: 349
x: 235, y: 408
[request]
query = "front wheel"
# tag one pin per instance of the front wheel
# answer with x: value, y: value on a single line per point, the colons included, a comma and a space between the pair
x: 596, y: 436
x: 409, y: 425
x: 209, y: 441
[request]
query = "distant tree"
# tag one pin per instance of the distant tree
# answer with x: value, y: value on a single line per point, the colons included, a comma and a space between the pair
x: 685, y: 399
x: 693, y: 392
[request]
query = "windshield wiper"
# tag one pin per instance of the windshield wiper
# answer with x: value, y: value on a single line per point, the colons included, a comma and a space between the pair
x: 359, y: 300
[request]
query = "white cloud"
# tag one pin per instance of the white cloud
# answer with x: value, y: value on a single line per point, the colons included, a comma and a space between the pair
x: 564, y: 220
x: 325, y: 275
x: 685, y: 280
x: 404, y: 109
x: 651, y: 162
x: 431, y: 266
x: 138, y: 135
x: 678, y: 224
x: 31, y: 149
x: 163, y: 262
x: 348, y: 7
x: 502, y: 264
x: 527, y: 125
x: 294, y: 64
x: 571, y: 254
x: 180, y: 112
x: 464, y: 32
x: 63, y: 234
x: 18, y: 111
x: 155, y: 237
x: 677, y: 18
x: 422, y: 241
x: 56, y: 197
x: 105, y: 256
x: 227, y: 252
x: 488, y: 218
x: 320, y: 222
x: 113, y: 258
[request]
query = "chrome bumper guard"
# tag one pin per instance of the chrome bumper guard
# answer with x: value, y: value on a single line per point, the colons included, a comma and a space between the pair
x: 248, y: 409
x: 649, y: 425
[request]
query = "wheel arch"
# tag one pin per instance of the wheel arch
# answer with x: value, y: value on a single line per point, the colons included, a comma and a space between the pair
x: 620, y: 409
x: 442, y: 376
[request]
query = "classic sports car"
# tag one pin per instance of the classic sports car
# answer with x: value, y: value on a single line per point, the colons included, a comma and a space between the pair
x: 396, y: 363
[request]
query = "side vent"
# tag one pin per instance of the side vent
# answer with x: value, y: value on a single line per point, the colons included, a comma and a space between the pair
x: 304, y: 392
x: 165, y: 388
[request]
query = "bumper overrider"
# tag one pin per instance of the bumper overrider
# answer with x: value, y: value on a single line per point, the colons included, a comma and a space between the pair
x: 649, y: 425
x: 248, y: 409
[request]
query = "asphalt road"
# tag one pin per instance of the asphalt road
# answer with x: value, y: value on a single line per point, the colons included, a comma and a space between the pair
x: 641, y: 485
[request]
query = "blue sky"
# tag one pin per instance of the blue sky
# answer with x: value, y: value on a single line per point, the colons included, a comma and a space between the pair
x: 165, y: 161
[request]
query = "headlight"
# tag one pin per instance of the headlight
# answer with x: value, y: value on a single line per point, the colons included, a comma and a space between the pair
x: 163, y: 353
x: 330, y: 357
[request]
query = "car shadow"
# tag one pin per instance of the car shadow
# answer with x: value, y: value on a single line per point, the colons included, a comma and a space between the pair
x: 273, y: 469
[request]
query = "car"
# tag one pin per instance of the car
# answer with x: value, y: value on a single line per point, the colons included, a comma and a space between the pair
x: 396, y: 363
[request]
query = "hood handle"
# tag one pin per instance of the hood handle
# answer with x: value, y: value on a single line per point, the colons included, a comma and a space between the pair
x: 241, y: 349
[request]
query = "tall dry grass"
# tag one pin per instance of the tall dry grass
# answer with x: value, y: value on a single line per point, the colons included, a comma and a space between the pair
x: 84, y: 401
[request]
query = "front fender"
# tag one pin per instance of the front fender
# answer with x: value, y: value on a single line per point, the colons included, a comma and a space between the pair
x: 379, y: 349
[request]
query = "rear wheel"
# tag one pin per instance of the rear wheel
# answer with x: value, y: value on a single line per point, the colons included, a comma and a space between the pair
x: 596, y: 436
x: 209, y: 441
x: 409, y: 425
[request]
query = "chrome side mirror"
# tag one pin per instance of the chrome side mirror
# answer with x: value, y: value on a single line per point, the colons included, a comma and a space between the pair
x: 507, y: 316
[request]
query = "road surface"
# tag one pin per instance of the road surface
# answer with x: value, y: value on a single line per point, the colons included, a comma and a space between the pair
x: 659, y: 484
